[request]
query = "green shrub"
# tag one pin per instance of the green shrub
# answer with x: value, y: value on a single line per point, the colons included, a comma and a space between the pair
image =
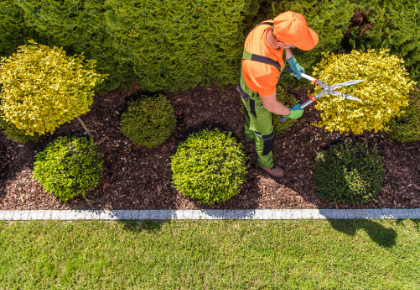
x: 13, y: 29
x: 349, y: 173
x: 79, y: 26
x: 383, y: 91
x: 406, y: 128
x: 288, y: 100
x: 209, y: 166
x: 394, y: 25
x: 148, y: 121
x: 43, y: 88
x: 69, y: 167
x: 176, y: 47
x: 16, y: 134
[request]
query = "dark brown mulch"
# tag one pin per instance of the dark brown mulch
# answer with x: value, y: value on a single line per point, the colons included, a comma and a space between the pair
x: 140, y: 178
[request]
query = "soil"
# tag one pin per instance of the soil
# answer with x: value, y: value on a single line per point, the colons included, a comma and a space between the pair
x: 360, y: 20
x: 140, y: 178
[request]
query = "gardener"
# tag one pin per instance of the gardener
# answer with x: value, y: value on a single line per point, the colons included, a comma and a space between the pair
x: 262, y: 64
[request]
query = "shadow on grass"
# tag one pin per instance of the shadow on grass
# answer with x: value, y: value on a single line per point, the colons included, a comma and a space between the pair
x: 381, y: 235
x: 415, y: 221
x: 150, y: 226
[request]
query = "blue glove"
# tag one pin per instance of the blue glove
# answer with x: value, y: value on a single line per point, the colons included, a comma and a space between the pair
x: 296, y: 68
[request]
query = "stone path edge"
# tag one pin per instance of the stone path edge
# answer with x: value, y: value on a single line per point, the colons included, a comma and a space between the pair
x: 211, y: 214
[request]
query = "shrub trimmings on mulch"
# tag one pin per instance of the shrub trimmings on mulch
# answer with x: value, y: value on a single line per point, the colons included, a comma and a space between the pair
x: 148, y: 121
x: 209, y: 166
x: 349, y: 173
x: 69, y: 167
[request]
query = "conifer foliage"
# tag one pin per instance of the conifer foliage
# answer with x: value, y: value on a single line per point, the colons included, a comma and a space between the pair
x: 393, y: 25
x: 177, y: 45
x: 42, y: 88
x: 79, y: 26
x: 383, y: 91
x: 14, y: 30
x: 328, y: 18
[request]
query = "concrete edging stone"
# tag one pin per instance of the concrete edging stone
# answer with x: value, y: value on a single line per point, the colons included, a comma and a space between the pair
x: 210, y: 214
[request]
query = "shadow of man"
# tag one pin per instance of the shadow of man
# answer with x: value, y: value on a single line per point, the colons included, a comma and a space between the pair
x: 381, y: 235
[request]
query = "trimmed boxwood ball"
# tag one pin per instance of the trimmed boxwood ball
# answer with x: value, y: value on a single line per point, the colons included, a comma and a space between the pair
x: 15, y: 134
x: 349, y: 173
x: 406, y: 128
x: 148, y: 121
x: 69, y: 167
x: 209, y: 166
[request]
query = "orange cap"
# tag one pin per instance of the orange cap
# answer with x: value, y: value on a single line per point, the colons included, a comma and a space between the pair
x: 291, y: 28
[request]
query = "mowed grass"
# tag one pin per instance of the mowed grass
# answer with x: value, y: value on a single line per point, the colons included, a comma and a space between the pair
x: 230, y: 254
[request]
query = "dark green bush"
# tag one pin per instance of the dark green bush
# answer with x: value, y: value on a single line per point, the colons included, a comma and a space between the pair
x: 406, y: 128
x: 148, y: 121
x: 13, y: 29
x: 390, y: 24
x: 349, y: 173
x: 16, y: 134
x: 209, y: 166
x: 177, y: 45
x: 69, y: 167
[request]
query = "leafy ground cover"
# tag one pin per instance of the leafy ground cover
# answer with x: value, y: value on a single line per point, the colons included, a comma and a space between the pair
x: 232, y: 254
x: 141, y: 178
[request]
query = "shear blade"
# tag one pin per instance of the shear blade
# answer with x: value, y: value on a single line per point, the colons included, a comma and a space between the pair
x: 345, y: 96
x: 345, y: 84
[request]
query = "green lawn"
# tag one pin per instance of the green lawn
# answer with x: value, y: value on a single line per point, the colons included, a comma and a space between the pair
x: 306, y: 254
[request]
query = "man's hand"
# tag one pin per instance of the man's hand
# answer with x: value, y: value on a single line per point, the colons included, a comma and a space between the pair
x: 295, y: 112
x: 297, y: 69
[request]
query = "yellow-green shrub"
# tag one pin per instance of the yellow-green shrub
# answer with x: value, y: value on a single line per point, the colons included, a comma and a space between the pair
x: 42, y: 88
x: 383, y: 92
x: 15, y: 134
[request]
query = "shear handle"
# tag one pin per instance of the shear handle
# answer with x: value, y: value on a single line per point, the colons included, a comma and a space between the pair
x: 305, y: 76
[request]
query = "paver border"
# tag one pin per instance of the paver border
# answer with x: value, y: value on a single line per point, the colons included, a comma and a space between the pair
x: 210, y: 214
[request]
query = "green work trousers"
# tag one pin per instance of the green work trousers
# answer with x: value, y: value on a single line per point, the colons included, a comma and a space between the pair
x: 259, y: 128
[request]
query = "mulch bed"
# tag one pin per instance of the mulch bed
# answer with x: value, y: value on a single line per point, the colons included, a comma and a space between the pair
x: 140, y: 178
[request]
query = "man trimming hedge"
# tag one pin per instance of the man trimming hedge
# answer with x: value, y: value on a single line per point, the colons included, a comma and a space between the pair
x: 262, y: 64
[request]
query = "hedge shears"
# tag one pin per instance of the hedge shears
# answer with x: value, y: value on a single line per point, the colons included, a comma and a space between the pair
x: 325, y: 90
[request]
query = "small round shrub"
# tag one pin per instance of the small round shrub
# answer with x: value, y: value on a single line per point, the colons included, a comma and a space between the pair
x: 406, y: 128
x: 15, y: 134
x: 148, y: 121
x: 209, y: 166
x: 69, y: 167
x: 349, y: 173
